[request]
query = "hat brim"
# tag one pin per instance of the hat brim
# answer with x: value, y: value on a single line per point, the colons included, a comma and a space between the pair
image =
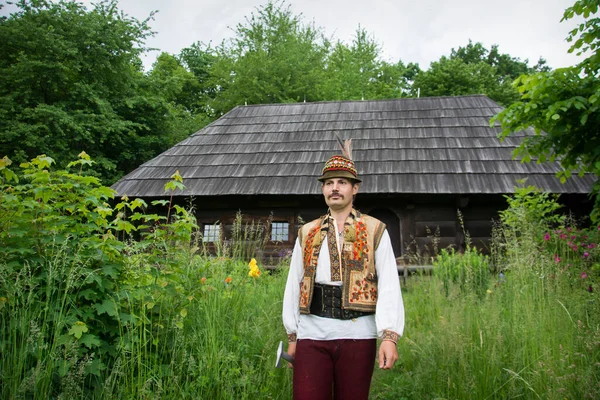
x: 338, y: 174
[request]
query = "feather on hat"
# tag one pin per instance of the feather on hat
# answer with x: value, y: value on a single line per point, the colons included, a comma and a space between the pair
x: 341, y: 166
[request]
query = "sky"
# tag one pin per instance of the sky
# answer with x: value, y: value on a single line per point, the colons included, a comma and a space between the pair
x: 419, y: 31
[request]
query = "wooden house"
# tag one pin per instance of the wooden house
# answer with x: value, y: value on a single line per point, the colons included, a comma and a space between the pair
x: 421, y: 160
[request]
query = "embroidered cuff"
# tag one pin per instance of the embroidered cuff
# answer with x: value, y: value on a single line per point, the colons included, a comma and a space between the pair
x: 390, y: 335
x: 291, y: 337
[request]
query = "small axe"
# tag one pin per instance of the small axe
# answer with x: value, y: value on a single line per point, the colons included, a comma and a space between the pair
x: 282, y: 355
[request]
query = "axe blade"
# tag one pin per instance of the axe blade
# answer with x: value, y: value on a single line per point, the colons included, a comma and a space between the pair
x: 282, y: 355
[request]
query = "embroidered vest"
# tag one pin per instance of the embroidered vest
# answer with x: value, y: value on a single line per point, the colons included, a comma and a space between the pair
x: 356, y: 268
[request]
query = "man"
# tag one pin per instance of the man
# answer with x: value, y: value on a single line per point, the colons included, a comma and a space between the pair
x: 341, y: 294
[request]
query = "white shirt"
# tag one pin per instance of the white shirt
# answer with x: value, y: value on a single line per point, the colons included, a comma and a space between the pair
x: 389, y: 314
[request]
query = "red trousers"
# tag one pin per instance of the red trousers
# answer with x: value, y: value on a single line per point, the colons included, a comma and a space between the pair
x: 340, y: 368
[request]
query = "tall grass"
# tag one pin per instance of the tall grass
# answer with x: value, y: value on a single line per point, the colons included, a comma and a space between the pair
x: 220, y: 345
x: 83, y: 316
x: 535, y: 334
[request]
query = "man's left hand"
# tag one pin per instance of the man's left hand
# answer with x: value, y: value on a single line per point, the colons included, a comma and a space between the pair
x: 387, y: 354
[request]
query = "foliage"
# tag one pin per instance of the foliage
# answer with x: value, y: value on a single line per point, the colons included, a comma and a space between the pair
x: 529, y: 215
x: 249, y: 238
x: 274, y: 58
x: 62, y: 269
x: 73, y: 81
x: 59, y: 272
x: 469, y: 270
x: 83, y: 315
x: 474, y: 70
x: 358, y: 72
x: 562, y: 105
x: 535, y: 333
x: 183, y: 94
x: 529, y: 206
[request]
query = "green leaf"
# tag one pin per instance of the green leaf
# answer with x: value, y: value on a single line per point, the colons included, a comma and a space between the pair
x: 107, y: 306
x: 78, y: 329
x: 584, y: 119
x: 90, y: 341
x: 174, y: 185
x: 111, y: 270
x: 138, y: 203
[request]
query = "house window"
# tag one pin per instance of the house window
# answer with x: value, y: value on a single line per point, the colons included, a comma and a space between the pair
x: 280, y: 231
x: 212, y: 233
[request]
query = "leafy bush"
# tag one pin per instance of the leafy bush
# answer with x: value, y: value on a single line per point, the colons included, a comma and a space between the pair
x: 534, y: 333
x: 60, y: 269
x: 469, y: 270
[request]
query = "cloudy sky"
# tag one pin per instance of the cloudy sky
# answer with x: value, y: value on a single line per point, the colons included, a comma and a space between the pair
x: 410, y: 30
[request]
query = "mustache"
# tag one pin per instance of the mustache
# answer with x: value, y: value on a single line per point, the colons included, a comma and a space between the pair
x: 335, y: 194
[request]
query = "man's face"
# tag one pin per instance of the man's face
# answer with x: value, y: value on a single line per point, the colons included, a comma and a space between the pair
x: 339, y: 192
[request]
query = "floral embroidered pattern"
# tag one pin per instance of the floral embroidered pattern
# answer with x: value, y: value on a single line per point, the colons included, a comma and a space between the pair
x: 334, y: 259
x: 292, y: 337
x: 309, y: 245
x: 355, y: 267
x: 363, y: 290
x: 303, y: 294
x: 390, y: 335
x: 360, y: 241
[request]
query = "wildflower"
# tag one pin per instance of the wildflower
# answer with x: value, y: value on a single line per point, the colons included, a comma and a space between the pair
x: 228, y: 279
x: 583, y: 275
x: 254, y: 270
x: 586, y: 254
x: 203, y: 280
x: 547, y: 236
x: 489, y: 291
x: 590, y: 289
x: 591, y: 245
x: 556, y: 258
x: 563, y: 236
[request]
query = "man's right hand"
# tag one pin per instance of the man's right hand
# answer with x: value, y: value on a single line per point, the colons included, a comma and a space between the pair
x: 291, y: 350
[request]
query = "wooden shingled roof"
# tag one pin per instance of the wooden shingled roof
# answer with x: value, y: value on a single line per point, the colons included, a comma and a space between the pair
x: 430, y: 145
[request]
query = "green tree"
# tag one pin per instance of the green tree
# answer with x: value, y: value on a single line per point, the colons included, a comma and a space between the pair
x: 358, y: 72
x: 274, y: 58
x: 473, y: 69
x: 562, y: 105
x: 198, y: 59
x: 183, y: 94
x: 72, y: 80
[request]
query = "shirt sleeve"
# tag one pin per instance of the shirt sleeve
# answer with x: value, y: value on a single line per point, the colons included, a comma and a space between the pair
x: 389, y: 315
x: 291, y: 296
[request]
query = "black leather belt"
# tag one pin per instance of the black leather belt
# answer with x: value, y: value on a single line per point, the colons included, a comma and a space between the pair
x: 327, y: 302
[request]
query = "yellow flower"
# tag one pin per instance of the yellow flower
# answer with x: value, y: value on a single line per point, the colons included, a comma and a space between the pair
x: 254, y: 270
